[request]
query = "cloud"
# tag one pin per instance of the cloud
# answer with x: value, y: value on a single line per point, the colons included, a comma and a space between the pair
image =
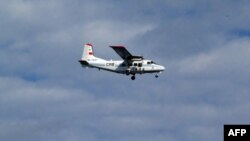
x: 230, y: 60
x: 113, y: 31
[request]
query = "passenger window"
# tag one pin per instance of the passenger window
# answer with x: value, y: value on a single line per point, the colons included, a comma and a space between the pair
x: 140, y: 64
x: 135, y: 64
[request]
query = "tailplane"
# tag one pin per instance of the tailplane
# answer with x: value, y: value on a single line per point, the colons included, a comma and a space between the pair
x: 88, y: 52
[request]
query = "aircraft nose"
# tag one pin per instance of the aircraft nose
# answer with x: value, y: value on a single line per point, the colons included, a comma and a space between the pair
x: 162, y: 68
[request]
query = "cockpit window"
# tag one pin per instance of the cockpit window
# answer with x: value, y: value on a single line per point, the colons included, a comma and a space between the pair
x: 152, y: 62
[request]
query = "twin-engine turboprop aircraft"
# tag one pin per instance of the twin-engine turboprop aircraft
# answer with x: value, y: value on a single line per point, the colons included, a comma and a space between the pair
x: 130, y: 65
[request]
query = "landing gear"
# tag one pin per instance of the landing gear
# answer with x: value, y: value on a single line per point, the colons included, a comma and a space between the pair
x: 156, y: 76
x: 127, y: 72
x: 132, y: 77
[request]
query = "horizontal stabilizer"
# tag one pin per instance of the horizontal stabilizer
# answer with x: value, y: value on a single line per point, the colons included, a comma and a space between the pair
x: 83, y: 62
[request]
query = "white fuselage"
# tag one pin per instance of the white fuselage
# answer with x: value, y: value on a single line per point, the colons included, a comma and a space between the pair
x: 121, y: 66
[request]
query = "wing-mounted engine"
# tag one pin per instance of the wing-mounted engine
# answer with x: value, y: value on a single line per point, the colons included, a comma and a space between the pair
x: 134, y: 63
x: 135, y: 58
x: 135, y: 66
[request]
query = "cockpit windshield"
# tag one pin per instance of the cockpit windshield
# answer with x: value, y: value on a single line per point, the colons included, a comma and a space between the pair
x: 151, y: 62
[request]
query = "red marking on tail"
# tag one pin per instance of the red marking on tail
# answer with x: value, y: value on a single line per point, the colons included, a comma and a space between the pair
x: 89, y: 44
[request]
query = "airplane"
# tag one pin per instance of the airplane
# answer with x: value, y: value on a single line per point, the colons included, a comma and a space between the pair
x: 129, y: 65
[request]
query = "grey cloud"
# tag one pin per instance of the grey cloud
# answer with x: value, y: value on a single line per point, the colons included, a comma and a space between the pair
x: 209, y: 25
x: 48, y: 112
x: 218, y: 63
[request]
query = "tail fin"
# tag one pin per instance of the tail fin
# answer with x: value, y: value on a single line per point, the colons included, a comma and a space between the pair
x: 88, y: 52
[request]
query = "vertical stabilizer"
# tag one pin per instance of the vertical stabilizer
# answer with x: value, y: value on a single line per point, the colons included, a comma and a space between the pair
x: 88, y: 52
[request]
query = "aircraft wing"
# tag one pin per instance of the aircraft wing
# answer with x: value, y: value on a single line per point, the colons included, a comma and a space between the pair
x: 124, y: 54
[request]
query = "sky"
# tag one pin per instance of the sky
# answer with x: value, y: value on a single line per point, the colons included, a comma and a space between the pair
x: 45, y: 95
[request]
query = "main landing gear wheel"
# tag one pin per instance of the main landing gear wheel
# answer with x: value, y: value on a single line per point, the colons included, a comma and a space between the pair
x: 156, y: 76
x: 127, y: 72
x: 133, y: 77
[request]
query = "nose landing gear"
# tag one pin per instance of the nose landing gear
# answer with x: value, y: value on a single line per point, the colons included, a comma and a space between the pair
x: 156, y: 76
x: 132, y: 77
